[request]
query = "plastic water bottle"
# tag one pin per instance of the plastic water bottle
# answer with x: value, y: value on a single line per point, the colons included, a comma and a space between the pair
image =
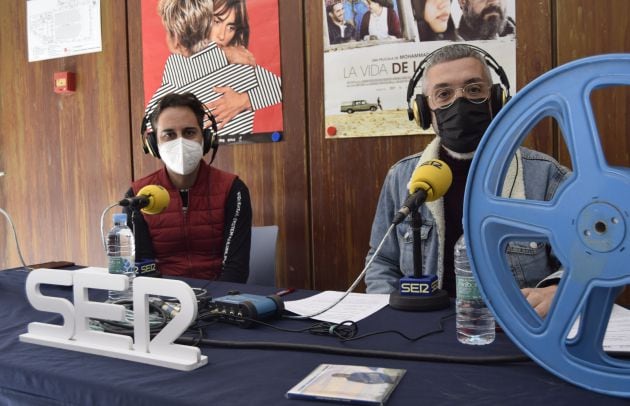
x: 474, y: 321
x: 121, y: 253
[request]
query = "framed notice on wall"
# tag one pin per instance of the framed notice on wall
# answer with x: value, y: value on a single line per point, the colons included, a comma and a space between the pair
x: 58, y: 28
x: 372, y: 48
x: 225, y: 52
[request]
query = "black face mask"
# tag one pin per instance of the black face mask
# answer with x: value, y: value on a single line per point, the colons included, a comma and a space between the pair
x: 462, y: 125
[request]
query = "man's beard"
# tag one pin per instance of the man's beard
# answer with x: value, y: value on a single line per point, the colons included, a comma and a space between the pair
x: 487, y: 28
x: 338, y: 21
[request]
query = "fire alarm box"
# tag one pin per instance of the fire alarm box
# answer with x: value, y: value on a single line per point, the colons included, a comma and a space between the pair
x: 65, y: 82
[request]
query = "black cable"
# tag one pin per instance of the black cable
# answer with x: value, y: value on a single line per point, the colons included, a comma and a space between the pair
x: 440, y: 329
x: 347, y: 330
x: 343, y: 330
x: 405, y: 356
x: 199, y: 325
x: 126, y: 327
x: 286, y: 330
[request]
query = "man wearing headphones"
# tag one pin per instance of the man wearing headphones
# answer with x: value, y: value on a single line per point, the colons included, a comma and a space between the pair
x: 205, y: 232
x: 459, y: 100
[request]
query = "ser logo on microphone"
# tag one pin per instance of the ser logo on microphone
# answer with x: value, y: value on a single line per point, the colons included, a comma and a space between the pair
x: 418, y: 288
x: 146, y: 267
x: 435, y: 163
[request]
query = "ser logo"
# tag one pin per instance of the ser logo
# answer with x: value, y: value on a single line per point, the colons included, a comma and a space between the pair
x: 435, y: 163
x: 418, y: 288
x: 146, y: 268
x: 409, y: 287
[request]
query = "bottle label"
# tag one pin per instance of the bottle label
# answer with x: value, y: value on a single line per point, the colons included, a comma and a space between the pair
x: 120, y: 265
x: 467, y: 288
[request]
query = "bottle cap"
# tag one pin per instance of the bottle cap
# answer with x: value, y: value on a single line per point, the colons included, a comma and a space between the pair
x: 120, y: 218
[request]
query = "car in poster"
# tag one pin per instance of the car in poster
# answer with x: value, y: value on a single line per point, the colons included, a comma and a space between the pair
x: 358, y: 105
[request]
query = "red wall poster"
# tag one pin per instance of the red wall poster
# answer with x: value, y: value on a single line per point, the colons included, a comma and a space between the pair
x: 231, y: 64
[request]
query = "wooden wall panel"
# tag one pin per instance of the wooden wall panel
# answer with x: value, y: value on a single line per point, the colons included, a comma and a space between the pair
x: 346, y: 177
x: 66, y: 157
x: 534, y: 56
x: 584, y: 29
x: 275, y: 173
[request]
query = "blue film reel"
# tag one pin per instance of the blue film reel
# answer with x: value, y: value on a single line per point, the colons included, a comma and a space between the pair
x: 587, y: 224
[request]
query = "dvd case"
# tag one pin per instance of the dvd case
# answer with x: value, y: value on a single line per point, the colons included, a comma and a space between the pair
x: 353, y: 384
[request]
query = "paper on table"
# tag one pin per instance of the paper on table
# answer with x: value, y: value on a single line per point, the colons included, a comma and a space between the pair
x: 355, y: 307
x: 617, y: 337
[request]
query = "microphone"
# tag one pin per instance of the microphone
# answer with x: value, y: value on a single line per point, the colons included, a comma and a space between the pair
x: 151, y: 199
x: 429, y: 182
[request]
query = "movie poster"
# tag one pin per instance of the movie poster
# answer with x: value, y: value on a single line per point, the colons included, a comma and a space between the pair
x: 373, y: 47
x: 235, y: 72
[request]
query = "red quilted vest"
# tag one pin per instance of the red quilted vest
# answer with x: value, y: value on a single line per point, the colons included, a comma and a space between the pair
x: 190, y: 243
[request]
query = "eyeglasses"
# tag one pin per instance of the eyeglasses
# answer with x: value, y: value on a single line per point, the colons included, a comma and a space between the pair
x: 444, y: 97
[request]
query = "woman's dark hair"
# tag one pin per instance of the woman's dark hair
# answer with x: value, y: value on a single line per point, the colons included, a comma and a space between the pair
x: 384, y: 3
x: 241, y: 21
x: 425, y: 31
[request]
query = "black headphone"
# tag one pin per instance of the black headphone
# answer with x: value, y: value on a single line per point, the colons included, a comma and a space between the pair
x: 418, y: 108
x: 209, y: 134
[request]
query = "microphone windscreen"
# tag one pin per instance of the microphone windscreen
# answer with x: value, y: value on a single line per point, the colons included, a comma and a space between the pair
x: 434, y: 177
x: 158, y: 199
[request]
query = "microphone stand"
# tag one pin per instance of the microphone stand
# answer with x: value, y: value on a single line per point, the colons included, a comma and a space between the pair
x: 418, y: 293
x: 416, y: 229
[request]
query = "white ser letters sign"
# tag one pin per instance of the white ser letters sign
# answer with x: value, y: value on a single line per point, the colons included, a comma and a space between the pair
x: 74, y: 333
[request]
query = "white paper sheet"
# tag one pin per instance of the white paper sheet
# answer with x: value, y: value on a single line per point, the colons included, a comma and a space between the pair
x: 59, y: 28
x: 617, y: 337
x: 355, y: 307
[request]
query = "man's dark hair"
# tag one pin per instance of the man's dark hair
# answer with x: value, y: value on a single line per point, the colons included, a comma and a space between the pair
x: 454, y: 52
x: 179, y: 100
x: 330, y: 4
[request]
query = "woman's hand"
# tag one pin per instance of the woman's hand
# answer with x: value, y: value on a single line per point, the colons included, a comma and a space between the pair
x: 226, y: 107
x: 239, y: 55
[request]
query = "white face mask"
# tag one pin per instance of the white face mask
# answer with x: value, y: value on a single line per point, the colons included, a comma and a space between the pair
x: 181, y: 155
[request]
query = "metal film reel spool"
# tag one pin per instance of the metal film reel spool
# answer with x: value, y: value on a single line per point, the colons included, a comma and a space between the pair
x: 587, y: 224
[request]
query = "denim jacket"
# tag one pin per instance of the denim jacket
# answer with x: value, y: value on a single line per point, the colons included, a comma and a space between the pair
x: 531, y: 263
